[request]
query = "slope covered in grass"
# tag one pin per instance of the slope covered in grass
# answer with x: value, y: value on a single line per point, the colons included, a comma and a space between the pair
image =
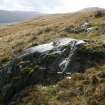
x: 15, y: 38
x: 81, y: 89
x: 30, y: 87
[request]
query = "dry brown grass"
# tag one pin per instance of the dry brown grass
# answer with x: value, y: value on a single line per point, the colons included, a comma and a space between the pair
x: 21, y: 36
x: 81, y: 89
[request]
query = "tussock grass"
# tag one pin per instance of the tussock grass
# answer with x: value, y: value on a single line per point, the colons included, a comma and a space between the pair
x: 81, y: 89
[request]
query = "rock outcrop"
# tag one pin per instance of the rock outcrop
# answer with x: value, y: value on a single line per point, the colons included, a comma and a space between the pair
x: 55, y: 55
x: 34, y: 65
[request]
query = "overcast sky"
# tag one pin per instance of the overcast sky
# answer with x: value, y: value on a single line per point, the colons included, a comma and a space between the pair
x: 50, y: 6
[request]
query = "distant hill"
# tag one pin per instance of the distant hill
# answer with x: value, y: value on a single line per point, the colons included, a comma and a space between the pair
x: 93, y: 9
x: 7, y: 17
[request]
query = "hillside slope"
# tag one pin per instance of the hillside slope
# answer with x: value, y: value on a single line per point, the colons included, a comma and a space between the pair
x: 30, y: 85
x: 15, y: 38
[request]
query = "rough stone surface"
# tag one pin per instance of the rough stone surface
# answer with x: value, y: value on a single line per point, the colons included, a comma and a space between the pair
x: 48, y: 64
x: 53, y: 57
